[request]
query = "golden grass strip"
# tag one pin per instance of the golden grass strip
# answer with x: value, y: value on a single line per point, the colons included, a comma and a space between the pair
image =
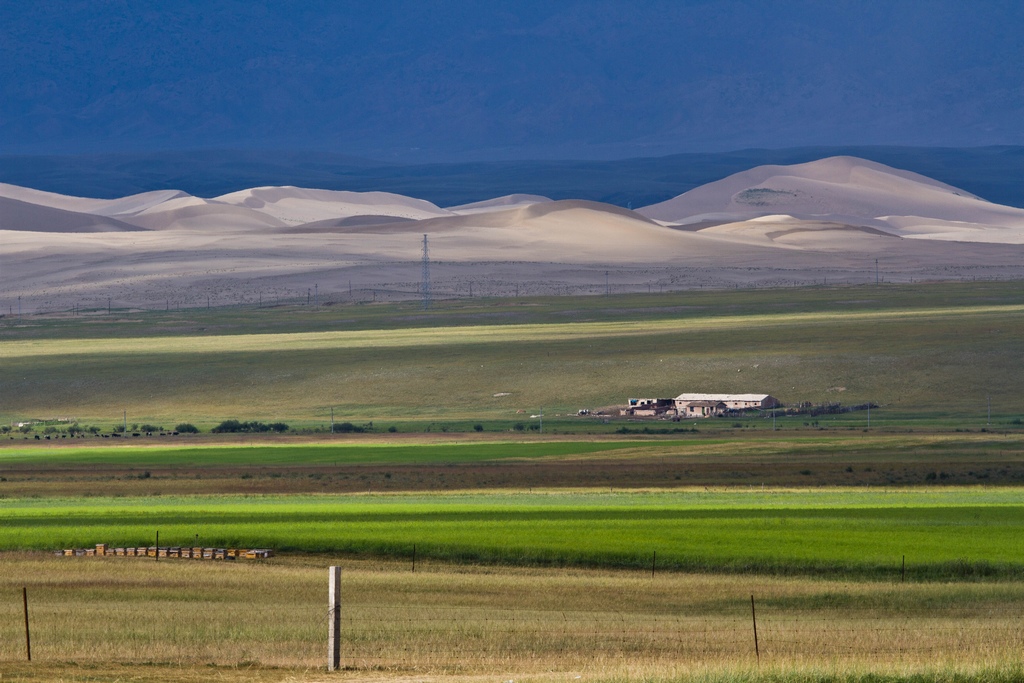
x: 483, y: 334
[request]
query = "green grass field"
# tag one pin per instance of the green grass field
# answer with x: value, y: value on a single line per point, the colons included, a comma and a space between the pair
x: 558, y: 531
x: 312, y: 454
x: 943, y: 534
x: 929, y: 355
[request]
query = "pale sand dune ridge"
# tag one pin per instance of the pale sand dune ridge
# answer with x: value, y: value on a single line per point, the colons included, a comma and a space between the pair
x: 851, y: 191
x: 773, y: 226
x: 499, y: 203
x: 295, y: 205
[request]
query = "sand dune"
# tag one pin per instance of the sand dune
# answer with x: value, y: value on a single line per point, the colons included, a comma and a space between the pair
x: 295, y: 205
x: 23, y: 216
x: 553, y: 230
x: 192, y: 213
x: 848, y: 191
x: 771, y: 226
x: 101, y: 207
x: 499, y: 203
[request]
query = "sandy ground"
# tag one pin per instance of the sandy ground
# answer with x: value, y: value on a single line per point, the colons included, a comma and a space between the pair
x: 820, y: 223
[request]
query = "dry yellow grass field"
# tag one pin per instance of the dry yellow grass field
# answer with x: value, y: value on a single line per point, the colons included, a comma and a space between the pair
x: 107, y: 619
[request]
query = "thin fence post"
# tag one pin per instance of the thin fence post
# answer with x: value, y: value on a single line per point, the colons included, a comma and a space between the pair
x: 413, y: 558
x: 28, y: 638
x: 157, y: 558
x: 654, y: 561
x: 903, y: 571
x: 334, y: 636
x: 753, y: 617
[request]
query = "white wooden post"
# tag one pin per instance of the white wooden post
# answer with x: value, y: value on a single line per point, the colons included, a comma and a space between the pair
x: 334, y: 637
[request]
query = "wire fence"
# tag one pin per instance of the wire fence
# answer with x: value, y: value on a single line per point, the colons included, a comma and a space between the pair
x: 454, y: 637
x: 488, y: 621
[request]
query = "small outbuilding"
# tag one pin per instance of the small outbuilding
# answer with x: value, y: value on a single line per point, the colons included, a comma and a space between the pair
x: 703, y: 409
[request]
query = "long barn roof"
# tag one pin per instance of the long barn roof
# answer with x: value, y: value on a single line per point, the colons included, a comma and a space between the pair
x: 722, y: 397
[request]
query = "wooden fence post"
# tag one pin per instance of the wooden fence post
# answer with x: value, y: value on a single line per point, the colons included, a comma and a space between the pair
x: 753, y: 617
x: 28, y: 639
x: 334, y: 636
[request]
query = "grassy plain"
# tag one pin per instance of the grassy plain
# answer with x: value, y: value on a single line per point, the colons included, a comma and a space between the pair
x: 108, y: 619
x: 931, y: 354
x: 533, y: 551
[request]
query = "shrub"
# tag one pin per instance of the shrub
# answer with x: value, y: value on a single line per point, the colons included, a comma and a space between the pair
x: 150, y: 428
x: 232, y: 426
x: 478, y: 428
x: 186, y: 428
x: 228, y: 426
x: 118, y: 429
x: 519, y: 426
x: 392, y: 429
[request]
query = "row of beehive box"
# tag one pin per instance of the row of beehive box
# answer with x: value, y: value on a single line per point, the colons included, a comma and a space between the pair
x: 197, y: 553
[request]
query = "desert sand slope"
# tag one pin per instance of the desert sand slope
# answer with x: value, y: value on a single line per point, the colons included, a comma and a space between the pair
x: 24, y: 216
x: 568, y: 229
x: 795, y: 234
x: 100, y: 207
x: 499, y: 203
x: 850, y: 191
x: 252, y: 246
x: 193, y: 213
x: 296, y: 205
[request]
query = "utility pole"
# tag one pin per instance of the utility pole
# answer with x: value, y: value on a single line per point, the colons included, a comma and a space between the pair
x: 542, y: 419
x: 989, y: 410
x: 426, y: 274
x: 332, y: 419
x: 126, y: 423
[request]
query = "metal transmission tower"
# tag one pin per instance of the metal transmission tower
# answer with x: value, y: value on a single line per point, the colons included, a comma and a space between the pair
x: 426, y: 275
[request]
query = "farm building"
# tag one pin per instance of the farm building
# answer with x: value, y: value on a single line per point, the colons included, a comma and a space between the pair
x: 702, y: 409
x: 650, y: 407
x: 731, y: 401
x: 698, y: 405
